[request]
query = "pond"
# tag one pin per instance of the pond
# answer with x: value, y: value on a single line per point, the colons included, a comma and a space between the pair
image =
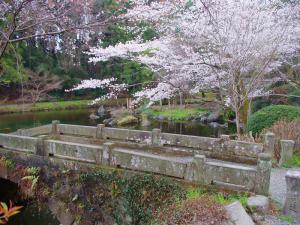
x: 12, y: 122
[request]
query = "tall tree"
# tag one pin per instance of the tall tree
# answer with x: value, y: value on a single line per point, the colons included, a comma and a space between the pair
x: 228, y: 44
x: 26, y: 19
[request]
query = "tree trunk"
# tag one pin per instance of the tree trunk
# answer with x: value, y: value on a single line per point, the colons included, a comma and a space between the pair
x: 238, y: 127
x: 181, y: 99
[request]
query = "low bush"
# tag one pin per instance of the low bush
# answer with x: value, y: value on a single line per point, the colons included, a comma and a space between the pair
x: 267, y: 116
x: 131, y: 199
x: 285, y: 130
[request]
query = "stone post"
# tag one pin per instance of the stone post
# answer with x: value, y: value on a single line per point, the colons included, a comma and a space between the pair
x: 292, y: 201
x: 263, y: 174
x: 287, y: 149
x: 225, y: 138
x: 40, y: 148
x: 100, y: 131
x: 269, y: 143
x: 199, y: 172
x: 156, y: 137
x: 106, y: 157
x: 55, y: 127
x: 20, y: 132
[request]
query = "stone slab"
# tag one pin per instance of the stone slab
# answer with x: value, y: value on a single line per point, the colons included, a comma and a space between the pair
x: 259, y: 203
x: 238, y: 215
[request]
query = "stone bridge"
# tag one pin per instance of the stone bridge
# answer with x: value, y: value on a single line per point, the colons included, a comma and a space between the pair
x: 208, y: 161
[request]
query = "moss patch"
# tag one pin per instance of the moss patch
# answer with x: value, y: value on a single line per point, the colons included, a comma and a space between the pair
x: 128, y: 119
x: 177, y: 114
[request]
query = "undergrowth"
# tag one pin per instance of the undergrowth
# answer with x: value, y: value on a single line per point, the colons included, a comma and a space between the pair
x: 295, y: 161
x: 222, y: 198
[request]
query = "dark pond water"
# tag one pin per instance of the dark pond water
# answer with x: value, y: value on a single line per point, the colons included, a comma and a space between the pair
x: 30, y: 214
x: 11, y: 122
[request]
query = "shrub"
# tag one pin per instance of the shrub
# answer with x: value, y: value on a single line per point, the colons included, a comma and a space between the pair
x: 266, y: 117
x: 285, y: 130
x: 259, y: 104
x: 132, y: 199
x: 292, y: 97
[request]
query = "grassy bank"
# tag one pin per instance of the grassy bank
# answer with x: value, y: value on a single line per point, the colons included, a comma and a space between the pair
x: 60, y: 105
x: 175, y: 114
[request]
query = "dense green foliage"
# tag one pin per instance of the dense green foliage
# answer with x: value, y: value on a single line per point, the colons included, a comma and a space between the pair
x: 70, y: 63
x: 267, y: 116
x: 133, y: 199
x: 11, y: 67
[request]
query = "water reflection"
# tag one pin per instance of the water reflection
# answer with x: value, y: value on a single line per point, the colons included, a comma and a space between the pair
x: 12, y: 122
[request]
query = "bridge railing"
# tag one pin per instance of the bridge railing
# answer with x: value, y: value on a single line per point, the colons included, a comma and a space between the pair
x: 197, y: 168
x: 222, y: 148
x: 19, y: 143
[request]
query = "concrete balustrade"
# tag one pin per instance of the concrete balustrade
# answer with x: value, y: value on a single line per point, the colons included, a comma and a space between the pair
x: 287, y: 150
x: 153, y: 151
x: 269, y: 143
x: 222, y: 148
x: 263, y: 173
x: 19, y: 143
x: 35, y: 131
x: 196, y: 168
x: 72, y: 151
x: 292, y: 202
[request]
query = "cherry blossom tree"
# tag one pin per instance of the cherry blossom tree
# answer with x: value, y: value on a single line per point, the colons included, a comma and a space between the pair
x: 229, y: 44
x: 21, y: 20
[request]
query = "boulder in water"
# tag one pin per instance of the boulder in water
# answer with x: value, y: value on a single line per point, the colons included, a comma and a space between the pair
x: 94, y: 117
x: 214, y: 117
x: 101, y: 111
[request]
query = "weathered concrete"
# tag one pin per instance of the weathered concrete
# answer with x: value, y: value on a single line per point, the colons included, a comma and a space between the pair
x: 221, y: 148
x: 292, y: 202
x: 127, y: 135
x: 238, y: 215
x: 184, y: 157
x: 55, y: 127
x: 20, y: 143
x: 263, y: 173
x: 35, y: 131
x: 100, y: 131
x: 225, y: 173
x: 269, y: 143
x: 71, y: 151
x: 148, y: 162
x: 259, y: 203
x: 287, y: 149
x: 77, y: 130
x: 156, y: 137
